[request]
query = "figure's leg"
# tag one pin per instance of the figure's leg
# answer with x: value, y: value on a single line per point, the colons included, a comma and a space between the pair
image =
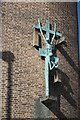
x: 51, y: 63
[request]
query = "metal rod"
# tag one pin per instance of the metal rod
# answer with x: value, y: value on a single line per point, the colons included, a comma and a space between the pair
x: 47, y: 76
x: 78, y: 10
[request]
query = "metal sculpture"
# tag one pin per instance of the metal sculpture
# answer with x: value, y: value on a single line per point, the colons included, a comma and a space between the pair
x: 51, y: 61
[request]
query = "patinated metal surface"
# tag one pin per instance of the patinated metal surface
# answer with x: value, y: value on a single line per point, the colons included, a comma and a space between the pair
x: 51, y: 60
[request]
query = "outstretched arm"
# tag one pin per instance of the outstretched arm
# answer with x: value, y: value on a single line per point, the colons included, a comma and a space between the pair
x: 54, y: 33
x: 41, y: 30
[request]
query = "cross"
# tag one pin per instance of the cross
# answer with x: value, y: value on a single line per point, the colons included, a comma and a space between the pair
x: 51, y: 61
x: 47, y: 30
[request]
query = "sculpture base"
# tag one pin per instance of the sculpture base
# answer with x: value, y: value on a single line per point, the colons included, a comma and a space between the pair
x: 48, y: 99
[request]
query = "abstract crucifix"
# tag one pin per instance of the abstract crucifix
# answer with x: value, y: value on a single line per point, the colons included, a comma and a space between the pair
x: 51, y: 60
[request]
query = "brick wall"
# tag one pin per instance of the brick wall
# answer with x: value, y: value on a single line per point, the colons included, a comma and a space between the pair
x: 23, y: 81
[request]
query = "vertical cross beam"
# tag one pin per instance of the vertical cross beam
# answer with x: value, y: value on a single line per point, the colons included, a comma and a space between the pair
x: 47, y: 30
x: 47, y: 76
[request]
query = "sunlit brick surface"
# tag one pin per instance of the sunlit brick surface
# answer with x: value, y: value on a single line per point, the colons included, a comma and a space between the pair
x: 23, y: 81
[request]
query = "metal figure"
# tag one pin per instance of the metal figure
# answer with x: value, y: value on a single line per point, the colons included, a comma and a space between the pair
x: 51, y: 61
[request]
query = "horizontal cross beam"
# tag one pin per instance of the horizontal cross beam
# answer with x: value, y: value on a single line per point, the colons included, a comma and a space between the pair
x: 50, y: 31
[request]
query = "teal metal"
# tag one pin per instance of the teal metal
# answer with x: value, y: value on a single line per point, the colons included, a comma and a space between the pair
x: 51, y: 61
x: 78, y: 11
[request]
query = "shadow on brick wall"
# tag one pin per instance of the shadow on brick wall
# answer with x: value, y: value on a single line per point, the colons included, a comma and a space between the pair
x: 68, y: 58
x: 77, y: 70
x: 8, y: 57
x: 63, y: 88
